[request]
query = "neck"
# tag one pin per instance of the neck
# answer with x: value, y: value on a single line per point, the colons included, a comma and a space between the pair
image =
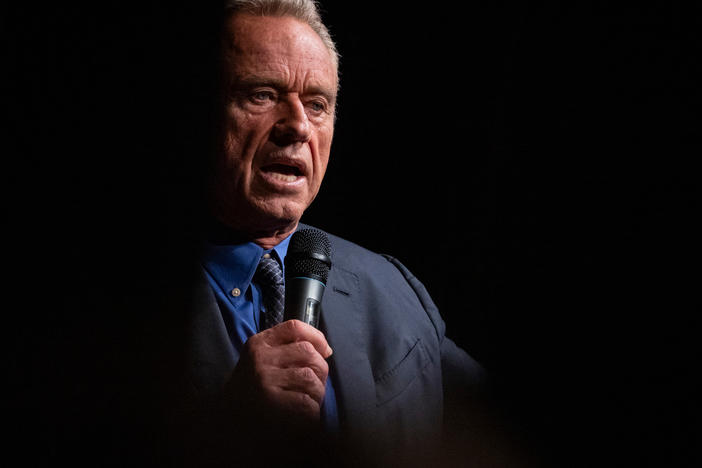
x: 222, y: 232
x: 268, y: 241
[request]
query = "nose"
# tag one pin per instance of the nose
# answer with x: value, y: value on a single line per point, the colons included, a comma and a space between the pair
x: 292, y: 125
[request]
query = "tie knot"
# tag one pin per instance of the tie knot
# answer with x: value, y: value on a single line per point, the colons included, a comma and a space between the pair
x: 269, y: 272
x: 269, y: 276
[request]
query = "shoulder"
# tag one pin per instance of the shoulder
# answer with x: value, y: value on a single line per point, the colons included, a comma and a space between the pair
x: 385, y: 284
x: 365, y: 264
x: 352, y: 257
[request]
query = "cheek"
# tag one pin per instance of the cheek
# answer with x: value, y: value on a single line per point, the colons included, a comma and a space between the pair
x: 323, y: 148
x: 247, y: 131
x: 232, y: 146
x: 239, y: 136
x: 323, y: 140
x: 234, y: 171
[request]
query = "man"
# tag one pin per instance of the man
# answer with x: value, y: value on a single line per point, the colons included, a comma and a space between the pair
x: 374, y: 376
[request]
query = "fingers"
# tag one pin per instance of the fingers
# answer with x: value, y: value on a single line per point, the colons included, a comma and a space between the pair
x: 281, y: 383
x: 292, y: 402
x: 300, y: 355
x: 285, y: 368
x: 292, y: 331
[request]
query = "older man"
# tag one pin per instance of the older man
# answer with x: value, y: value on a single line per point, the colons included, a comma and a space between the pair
x: 375, y: 374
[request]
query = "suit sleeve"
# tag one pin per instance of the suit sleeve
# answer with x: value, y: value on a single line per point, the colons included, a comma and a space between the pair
x: 475, y: 431
x: 461, y: 373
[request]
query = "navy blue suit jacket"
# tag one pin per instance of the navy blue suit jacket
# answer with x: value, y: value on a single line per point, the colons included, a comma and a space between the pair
x: 392, y: 362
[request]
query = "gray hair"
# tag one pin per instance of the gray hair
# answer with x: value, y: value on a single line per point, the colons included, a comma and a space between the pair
x: 304, y: 10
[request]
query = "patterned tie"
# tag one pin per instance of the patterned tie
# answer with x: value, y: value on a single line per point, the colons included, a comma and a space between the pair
x: 270, y: 277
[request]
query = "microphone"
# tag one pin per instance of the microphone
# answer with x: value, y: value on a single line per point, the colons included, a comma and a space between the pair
x: 307, y: 266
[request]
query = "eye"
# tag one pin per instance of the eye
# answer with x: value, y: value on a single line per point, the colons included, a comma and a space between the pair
x: 317, y: 106
x: 262, y: 96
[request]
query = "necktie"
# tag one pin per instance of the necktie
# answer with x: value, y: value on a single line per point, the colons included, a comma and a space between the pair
x: 269, y: 276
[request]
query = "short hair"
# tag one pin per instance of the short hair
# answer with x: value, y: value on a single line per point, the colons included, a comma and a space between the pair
x: 304, y: 10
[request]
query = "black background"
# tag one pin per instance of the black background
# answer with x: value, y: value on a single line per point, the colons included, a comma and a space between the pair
x: 534, y: 165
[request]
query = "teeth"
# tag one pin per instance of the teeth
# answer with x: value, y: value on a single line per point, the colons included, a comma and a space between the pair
x: 284, y: 177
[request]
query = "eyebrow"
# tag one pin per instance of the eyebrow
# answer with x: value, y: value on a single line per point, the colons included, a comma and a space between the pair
x: 252, y: 81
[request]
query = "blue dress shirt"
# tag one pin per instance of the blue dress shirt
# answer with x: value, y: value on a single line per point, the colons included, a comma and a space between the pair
x: 230, y: 268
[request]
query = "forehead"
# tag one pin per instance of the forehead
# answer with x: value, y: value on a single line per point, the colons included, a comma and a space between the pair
x: 267, y: 44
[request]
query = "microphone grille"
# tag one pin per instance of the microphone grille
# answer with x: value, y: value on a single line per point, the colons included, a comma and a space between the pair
x: 308, y: 255
x: 310, y: 240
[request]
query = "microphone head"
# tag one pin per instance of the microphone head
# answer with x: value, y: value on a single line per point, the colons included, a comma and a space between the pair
x: 309, y: 255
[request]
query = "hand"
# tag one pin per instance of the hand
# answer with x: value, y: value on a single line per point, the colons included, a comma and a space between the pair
x: 283, y: 370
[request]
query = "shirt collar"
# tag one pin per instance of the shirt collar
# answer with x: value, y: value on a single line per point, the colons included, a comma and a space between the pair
x: 232, y: 265
x: 281, y: 250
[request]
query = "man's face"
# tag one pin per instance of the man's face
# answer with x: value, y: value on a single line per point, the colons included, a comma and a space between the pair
x: 280, y: 87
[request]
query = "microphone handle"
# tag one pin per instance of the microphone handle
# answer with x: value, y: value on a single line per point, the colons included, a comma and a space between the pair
x: 303, y: 299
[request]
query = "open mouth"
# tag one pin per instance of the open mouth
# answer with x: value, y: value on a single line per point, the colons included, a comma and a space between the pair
x: 282, y: 172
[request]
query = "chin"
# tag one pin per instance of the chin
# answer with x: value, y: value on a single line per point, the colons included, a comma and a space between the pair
x: 282, y: 214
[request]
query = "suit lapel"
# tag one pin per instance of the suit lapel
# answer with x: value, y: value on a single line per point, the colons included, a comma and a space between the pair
x: 351, y: 370
x: 212, y: 356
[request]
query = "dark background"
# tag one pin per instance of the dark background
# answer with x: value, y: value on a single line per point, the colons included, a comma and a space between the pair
x: 533, y: 165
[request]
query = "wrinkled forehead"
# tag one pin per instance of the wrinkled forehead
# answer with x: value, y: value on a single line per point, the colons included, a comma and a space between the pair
x: 258, y: 40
